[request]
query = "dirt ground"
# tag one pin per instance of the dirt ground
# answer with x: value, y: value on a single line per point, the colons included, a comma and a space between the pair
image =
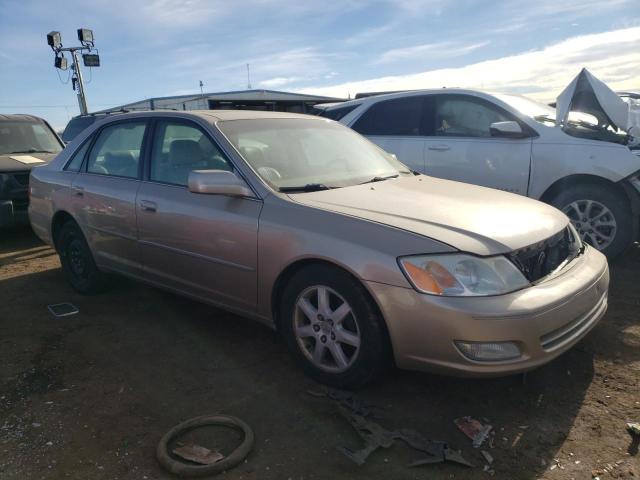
x: 89, y: 396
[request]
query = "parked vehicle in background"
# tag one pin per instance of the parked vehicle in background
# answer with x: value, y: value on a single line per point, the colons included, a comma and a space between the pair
x: 511, y: 143
x: 25, y: 141
x: 303, y: 224
x: 79, y: 123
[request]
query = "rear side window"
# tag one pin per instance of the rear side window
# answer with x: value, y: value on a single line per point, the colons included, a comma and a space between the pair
x: 117, y: 150
x: 76, y: 160
x: 337, y: 113
x: 400, y: 116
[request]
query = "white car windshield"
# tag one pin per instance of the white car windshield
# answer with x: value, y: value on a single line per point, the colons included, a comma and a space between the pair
x: 543, y: 113
x: 306, y: 155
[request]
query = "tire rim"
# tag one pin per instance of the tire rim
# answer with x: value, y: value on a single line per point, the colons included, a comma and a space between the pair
x: 326, y: 329
x: 77, y: 260
x: 594, y: 222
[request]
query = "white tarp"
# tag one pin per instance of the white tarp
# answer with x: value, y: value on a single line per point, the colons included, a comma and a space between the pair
x: 26, y: 159
x: 602, y: 98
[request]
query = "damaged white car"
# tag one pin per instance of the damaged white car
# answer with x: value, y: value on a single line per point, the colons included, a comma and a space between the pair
x: 582, y: 158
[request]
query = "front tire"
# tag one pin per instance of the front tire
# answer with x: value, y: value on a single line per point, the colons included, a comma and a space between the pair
x: 601, y: 216
x: 332, y: 327
x: 77, y: 261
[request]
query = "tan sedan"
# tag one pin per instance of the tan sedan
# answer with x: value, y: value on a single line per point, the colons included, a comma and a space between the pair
x: 308, y: 227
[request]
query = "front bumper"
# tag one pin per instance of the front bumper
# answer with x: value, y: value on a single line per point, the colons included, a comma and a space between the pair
x: 544, y: 320
x: 13, y: 213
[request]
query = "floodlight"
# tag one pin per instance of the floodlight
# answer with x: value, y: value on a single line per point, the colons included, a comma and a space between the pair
x: 85, y: 35
x: 54, y: 39
x: 91, y: 60
x: 61, y: 63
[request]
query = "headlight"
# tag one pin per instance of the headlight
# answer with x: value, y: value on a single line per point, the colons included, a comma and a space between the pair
x: 461, y: 275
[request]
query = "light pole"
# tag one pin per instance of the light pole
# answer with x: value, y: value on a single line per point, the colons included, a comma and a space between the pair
x: 54, y: 39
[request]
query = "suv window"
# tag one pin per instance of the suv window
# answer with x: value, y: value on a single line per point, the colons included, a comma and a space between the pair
x: 76, y: 126
x: 179, y: 148
x: 400, y: 116
x: 462, y: 116
x: 117, y: 150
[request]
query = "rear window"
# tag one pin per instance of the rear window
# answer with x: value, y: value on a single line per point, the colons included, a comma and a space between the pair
x: 399, y: 116
x: 337, y: 113
x: 76, y: 126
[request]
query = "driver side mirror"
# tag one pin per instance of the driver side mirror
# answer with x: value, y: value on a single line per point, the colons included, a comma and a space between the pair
x: 218, y: 182
x: 509, y: 129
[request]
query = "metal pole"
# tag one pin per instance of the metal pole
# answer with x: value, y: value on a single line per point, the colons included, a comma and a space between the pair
x: 82, y: 99
x: 248, y: 78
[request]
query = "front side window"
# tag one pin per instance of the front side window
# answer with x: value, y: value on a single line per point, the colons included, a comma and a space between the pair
x: 179, y: 148
x: 117, y: 150
x: 458, y: 116
x: 396, y: 117
x: 27, y: 137
x: 289, y: 153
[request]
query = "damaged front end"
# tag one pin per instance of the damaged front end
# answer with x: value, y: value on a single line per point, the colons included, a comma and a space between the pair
x: 588, y: 108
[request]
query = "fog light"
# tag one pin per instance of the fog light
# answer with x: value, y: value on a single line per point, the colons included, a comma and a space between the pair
x: 489, y: 352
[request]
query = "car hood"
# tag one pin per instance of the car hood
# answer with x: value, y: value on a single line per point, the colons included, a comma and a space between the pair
x: 24, y: 161
x: 473, y: 219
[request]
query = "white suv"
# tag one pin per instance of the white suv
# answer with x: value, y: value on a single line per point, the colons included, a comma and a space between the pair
x: 511, y: 143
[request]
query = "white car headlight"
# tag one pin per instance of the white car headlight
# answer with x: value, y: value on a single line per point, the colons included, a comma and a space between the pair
x: 462, y: 275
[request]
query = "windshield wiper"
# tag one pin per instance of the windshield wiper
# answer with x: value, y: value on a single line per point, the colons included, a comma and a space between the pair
x: 381, y: 179
x: 31, y: 150
x: 309, y: 187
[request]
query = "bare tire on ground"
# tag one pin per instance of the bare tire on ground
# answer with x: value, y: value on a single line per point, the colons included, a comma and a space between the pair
x: 332, y: 327
x: 601, y: 216
x: 77, y: 261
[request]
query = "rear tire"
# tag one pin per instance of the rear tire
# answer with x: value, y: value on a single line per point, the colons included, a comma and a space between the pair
x: 340, y: 341
x: 78, y: 265
x: 601, y: 216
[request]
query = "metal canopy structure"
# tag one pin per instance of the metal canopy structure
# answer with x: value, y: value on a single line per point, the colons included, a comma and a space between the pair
x: 270, y: 100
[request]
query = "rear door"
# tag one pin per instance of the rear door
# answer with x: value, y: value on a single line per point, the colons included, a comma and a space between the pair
x: 202, y: 245
x: 105, y: 194
x: 460, y: 146
x: 397, y: 126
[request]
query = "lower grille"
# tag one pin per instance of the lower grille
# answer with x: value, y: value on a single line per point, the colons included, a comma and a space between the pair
x: 553, y: 339
x: 543, y: 258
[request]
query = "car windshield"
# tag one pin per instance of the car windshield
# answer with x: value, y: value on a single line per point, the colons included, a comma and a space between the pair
x: 306, y: 155
x: 530, y: 108
x: 27, y: 137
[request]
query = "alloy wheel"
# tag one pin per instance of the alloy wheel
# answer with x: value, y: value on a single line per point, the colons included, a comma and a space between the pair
x: 594, y: 222
x: 326, y: 329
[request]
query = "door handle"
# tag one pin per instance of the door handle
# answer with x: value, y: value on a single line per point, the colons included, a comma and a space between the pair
x: 148, y: 206
x: 439, y: 148
x: 79, y: 191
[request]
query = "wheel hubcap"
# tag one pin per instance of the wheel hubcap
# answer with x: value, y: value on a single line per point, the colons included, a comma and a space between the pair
x: 326, y: 329
x: 77, y: 260
x: 594, y: 221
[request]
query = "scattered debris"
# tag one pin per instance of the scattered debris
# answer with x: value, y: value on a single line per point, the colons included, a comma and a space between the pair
x: 346, y: 399
x: 473, y: 429
x: 62, y: 309
x: 633, y: 428
x: 198, y: 454
x: 487, y: 456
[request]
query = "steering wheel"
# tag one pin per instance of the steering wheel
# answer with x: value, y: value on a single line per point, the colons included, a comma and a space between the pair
x: 269, y: 173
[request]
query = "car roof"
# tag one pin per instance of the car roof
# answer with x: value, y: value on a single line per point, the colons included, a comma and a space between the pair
x: 410, y: 93
x: 19, y: 117
x: 213, y: 115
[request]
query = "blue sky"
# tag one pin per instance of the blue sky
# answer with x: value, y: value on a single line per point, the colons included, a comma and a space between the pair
x: 333, y: 47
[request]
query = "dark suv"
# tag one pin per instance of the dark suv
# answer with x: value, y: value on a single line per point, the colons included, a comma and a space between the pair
x: 25, y: 141
x: 77, y: 124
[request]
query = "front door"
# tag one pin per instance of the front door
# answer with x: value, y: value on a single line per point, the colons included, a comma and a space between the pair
x: 105, y: 195
x: 202, y: 245
x: 460, y: 146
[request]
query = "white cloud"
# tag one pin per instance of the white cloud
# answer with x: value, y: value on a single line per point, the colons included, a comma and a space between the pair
x: 431, y: 50
x: 279, y: 82
x: 612, y: 56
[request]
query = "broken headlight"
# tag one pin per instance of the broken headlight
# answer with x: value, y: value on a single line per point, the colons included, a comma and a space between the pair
x: 462, y: 275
